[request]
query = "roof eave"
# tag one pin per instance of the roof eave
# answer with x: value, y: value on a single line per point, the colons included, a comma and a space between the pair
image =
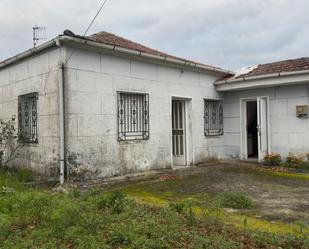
x: 85, y: 42
x: 121, y: 50
x: 264, y: 76
x: 269, y: 80
x: 29, y: 52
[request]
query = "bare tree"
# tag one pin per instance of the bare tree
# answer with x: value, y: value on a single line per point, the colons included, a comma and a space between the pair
x: 9, y: 141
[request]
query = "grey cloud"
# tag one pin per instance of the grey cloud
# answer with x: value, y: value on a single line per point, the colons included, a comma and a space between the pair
x: 226, y: 33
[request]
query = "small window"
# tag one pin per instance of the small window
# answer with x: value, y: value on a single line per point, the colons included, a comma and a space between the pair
x: 28, y: 118
x: 133, y: 116
x: 213, y: 117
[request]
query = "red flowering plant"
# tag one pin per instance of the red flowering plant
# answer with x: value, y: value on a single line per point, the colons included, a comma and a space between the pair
x: 272, y: 159
x: 294, y: 161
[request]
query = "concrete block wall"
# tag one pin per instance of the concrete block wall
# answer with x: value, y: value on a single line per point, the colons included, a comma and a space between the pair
x: 36, y: 74
x: 92, y: 81
x: 288, y: 133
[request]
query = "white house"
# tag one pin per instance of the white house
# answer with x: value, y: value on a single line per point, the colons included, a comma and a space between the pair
x: 102, y: 105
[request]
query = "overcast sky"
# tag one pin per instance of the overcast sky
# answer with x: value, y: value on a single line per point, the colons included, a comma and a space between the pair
x: 226, y: 33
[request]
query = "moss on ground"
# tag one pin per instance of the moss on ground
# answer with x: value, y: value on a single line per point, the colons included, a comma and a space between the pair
x: 36, y: 218
x: 235, y: 219
x: 254, y: 181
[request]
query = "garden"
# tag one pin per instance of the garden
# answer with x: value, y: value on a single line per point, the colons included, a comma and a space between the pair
x: 210, y: 206
x: 219, y: 205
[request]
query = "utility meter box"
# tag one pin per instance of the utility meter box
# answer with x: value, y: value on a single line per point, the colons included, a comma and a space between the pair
x: 302, y: 111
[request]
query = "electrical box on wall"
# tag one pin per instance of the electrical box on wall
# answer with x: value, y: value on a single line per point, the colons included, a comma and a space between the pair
x: 302, y: 111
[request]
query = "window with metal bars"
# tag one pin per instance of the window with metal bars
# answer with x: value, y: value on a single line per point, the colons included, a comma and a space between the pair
x: 133, y: 116
x: 213, y: 117
x: 28, y: 117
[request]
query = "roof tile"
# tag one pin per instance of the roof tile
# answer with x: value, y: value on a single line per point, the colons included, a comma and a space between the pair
x: 279, y: 67
x: 115, y: 40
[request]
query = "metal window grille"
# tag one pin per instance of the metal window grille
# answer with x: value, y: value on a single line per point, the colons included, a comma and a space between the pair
x: 133, y: 116
x: 28, y: 118
x: 213, y: 117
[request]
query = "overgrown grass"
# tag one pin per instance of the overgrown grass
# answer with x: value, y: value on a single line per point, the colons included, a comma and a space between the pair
x: 31, y: 218
x: 235, y: 200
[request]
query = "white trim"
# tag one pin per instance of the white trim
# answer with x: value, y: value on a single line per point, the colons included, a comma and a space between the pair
x: 298, y: 77
x: 264, y: 76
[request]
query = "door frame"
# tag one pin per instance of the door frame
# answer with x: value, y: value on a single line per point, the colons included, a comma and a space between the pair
x: 243, y: 124
x: 188, y: 151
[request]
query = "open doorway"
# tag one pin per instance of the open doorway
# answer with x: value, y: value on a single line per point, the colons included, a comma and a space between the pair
x: 252, y: 131
x: 255, y: 128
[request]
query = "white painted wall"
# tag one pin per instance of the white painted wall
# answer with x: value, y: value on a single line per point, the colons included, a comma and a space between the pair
x: 36, y: 74
x: 288, y: 133
x: 92, y: 81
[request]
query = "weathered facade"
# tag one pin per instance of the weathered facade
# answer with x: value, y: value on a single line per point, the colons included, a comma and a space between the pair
x: 287, y: 132
x: 92, y: 82
x: 93, y: 79
x: 35, y: 74
x: 128, y: 108
x: 278, y: 95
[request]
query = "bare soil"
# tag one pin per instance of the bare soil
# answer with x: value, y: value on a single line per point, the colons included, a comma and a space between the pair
x: 284, y: 197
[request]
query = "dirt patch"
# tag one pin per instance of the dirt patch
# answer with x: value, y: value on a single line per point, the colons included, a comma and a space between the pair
x: 276, y: 198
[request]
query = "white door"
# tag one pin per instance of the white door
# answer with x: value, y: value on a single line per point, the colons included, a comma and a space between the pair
x: 178, y: 132
x: 262, y: 128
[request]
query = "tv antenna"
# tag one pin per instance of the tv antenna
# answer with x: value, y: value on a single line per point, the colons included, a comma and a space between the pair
x: 36, y: 29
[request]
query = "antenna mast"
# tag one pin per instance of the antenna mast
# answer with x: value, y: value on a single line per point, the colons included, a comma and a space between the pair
x: 36, y: 29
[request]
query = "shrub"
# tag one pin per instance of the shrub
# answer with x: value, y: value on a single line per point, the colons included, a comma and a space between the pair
x: 24, y: 175
x: 117, y: 239
x: 189, y: 206
x: 273, y: 159
x: 9, y: 146
x: 294, y: 161
x: 178, y: 206
x: 116, y: 201
x: 235, y: 200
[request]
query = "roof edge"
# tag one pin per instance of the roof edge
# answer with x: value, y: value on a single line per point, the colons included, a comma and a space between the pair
x: 264, y: 76
x: 86, y: 42
x: 147, y: 56
x: 29, y: 52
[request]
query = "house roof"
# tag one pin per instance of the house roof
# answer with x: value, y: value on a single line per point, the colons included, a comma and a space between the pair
x: 115, y: 40
x: 292, y: 65
x: 112, y: 39
x: 117, y: 44
x: 279, y: 67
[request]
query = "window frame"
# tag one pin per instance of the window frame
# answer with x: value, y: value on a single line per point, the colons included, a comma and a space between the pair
x: 217, y: 128
x: 32, y: 113
x: 128, y: 131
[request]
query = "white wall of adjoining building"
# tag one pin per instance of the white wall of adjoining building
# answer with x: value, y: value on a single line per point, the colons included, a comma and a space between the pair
x: 288, y: 133
x: 38, y: 73
x: 92, y: 81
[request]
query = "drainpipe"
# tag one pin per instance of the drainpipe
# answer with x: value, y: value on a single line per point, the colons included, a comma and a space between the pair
x: 61, y: 121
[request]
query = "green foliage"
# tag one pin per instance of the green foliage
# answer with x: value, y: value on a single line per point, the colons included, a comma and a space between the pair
x: 177, y: 206
x: 189, y: 206
x: 273, y: 159
x: 24, y: 175
x: 235, y: 200
x: 294, y: 161
x: 32, y: 218
x: 115, y: 201
x: 118, y: 239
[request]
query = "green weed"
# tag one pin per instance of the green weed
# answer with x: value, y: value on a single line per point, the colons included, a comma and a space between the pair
x: 234, y: 200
